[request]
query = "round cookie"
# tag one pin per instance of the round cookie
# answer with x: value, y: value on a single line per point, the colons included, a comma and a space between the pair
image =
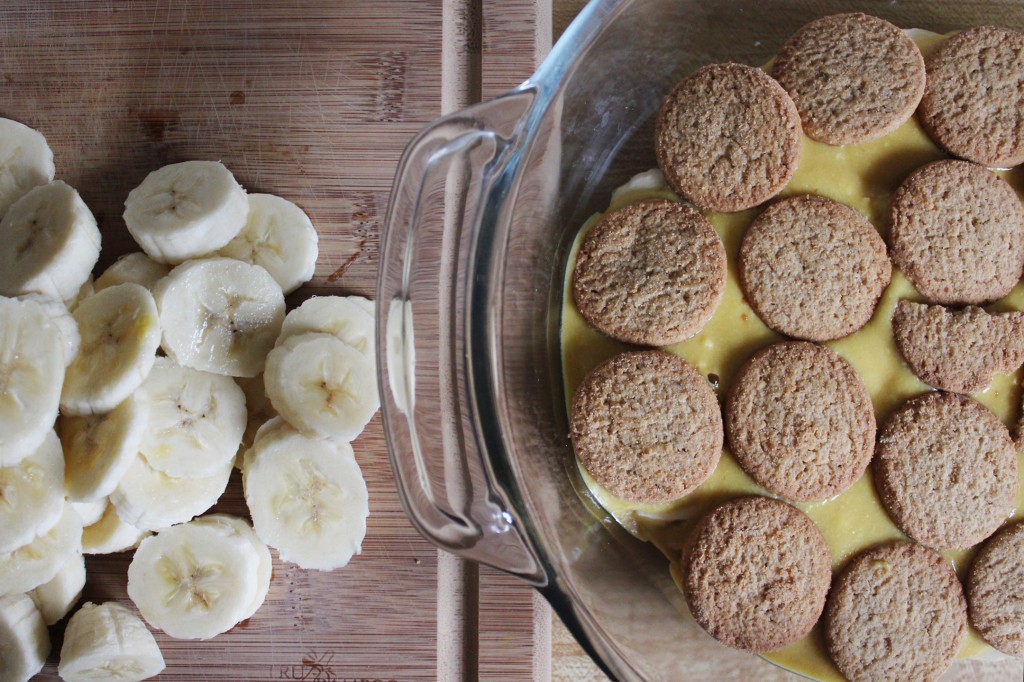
x: 957, y: 233
x: 813, y: 268
x: 800, y: 421
x: 755, y: 573
x: 728, y: 137
x: 958, y: 350
x: 972, y: 103
x: 853, y: 77
x: 946, y: 470
x: 647, y: 426
x: 651, y: 273
x: 896, y: 613
x: 995, y: 591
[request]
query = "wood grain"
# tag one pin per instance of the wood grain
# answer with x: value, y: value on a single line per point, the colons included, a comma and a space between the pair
x: 313, y: 100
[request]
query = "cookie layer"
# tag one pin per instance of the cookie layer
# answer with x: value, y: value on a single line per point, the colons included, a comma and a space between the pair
x: 647, y: 426
x: 755, y: 573
x: 958, y: 350
x: 853, y: 77
x: 946, y: 470
x: 896, y: 613
x: 651, y: 273
x: 728, y: 137
x: 995, y: 591
x: 813, y: 268
x: 973, y: 99
x: 800, y: 421
x: 957, y: 233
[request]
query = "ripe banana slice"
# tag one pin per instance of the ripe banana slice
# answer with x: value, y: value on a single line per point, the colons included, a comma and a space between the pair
x: 186, y: 210
x: 84, y: 292
x: 151, y: 500
x: 259, y: 410
x: 110, y: 534
x: 31, y: 495
x: 31, y: 375
x: 90, y: 512
x: 193, y: 581
x: 55, y: 598
x: 322, y: 386
x: 132, y: 268
x: 279, y: 237
x: 233, y: 526
x: 336, y: 315
x: 120, y: 332
x: 366, y: 304
x: 307, y: 496
x: 24, y: 640
x: 51, y: 243
x: 25, y: 161
x: 196, y: 420
x: 99, y: 448
x: 31, y: 565
x: 220, y: 315
x: 60, y: 316
x: 108, y: 643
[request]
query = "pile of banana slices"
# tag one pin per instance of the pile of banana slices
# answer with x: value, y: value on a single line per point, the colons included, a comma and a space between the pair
x: 125, y: 403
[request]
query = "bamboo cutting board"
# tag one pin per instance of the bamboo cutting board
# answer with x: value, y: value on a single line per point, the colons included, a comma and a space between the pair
x: 312, y: 100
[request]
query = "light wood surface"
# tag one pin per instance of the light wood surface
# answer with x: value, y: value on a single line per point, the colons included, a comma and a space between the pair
x: 313, y: 100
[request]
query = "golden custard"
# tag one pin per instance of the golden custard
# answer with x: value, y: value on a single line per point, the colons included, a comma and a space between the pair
x: 862, y: 176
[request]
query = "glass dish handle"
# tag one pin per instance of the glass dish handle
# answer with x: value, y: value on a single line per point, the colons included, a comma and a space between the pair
x: 449, y: 181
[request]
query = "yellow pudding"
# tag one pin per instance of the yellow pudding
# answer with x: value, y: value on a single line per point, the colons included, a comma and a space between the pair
x: 864, y: 177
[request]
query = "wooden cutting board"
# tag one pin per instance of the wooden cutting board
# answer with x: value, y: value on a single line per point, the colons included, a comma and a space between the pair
x: 313, y: 100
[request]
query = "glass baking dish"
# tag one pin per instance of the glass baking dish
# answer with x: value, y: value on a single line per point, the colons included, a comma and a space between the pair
x: 484, y: 210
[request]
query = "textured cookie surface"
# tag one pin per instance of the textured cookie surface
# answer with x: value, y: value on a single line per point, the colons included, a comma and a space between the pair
x: 853, y: 77
x: 651, y: 273
x: 813, y: 268
x: 995, y: 591
x: 799, y: 420
x: 946, y: 470
x: 755, y: 573
x: 973, y: 99
x: 897, y: 613
x: 647, y: 426
x: 728, y: 137
x: 957, y: 233
x: 958, y: 350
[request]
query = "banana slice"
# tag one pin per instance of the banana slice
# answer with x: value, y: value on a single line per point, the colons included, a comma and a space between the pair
x: 366, y: 304
x: 322, y: 386
x: 336, y: 315
x: 110, y: 534
x: 220, y: 315
x: 120, y: 334
x: 55, y: 598
x: 193, y: 581
x: 234, y: 526
x: 307, y: 496
x: 259, y: 410
x: 84, y: 292
x: 132, y: 268
x: 60, y: 316
x: 108, y: 643
x: 99, y: 448
x: 31, y: 565
x: 151, y: 500
x: 279, y: 237
x: 25, y: 161
x: 24, y: 639
x: 196, y: 420
x: 31, y: 375
x: 90, y: 512
x: 31, y: 495
x: 51, y: 243
x: 186, y: 210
